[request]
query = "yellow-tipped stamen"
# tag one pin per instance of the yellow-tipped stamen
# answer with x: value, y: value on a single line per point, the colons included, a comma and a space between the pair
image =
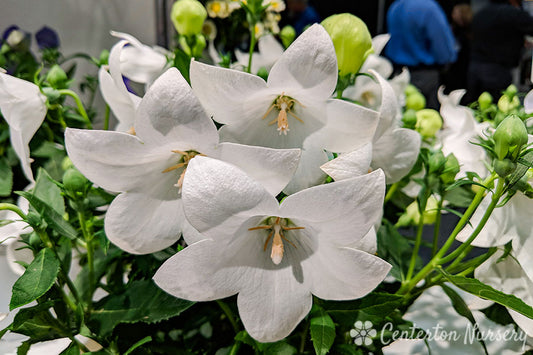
x: 186, y: 157
x: 285, y: 105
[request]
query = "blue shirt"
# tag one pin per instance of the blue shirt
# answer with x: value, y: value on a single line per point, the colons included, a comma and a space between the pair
x: 420, y: 34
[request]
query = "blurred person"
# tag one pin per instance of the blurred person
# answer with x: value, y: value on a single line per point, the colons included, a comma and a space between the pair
x: 300, y: 15
x: 422, y: 40
x: 498, y: 32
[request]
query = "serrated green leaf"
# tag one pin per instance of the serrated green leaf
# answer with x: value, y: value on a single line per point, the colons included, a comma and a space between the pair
x: 73, y: 349
x: 37, y: 322
x: 6, y: 177
x: 482, y: 290
x: 54, y: 219
x: 375, y: 304
x: 142, y: 301
x: 138, y: 344
x: 47, y: 191
x: 322, y: 330
x: 36, y: 280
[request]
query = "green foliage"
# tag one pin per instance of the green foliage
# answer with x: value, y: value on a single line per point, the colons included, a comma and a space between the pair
x: 322, y: 330
x: 6, y: 177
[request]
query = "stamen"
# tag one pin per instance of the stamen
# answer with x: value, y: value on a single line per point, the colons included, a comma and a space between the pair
x: 186, y: 157
x: 285, y: 105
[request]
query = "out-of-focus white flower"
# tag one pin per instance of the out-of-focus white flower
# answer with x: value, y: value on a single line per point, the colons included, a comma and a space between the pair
x: 218, y: 8
x: 122, y: 102
x: 24, y: 108
x: 274, y: 256
x: 274, y: 5
x: 140, y: 62
x: 460, y: 128
x: 148, y: 169
x: 270, y: 50
x: 271, y: 22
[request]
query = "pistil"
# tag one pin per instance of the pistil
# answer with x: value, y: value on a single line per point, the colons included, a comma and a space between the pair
x: 285, y: 105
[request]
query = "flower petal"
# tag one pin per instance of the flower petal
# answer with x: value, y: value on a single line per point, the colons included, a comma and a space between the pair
x: 140, y: 224
x: 344, y: 210
x: 116, y: 161
x: 528, y: 102
x: 273, y: 168
x: 309, y: 64
x: 379, y: 42
x: 389, y: 109
x: 169, y: 112
x: 351, y: 164
x: 308, y: 172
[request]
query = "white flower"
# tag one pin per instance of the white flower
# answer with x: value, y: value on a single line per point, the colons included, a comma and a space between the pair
x: 139, y: 62
x: 292, y: 106
x: 460, y: 128
x: 218, y: 8
x: 120, y: 100
x: 270, y: 50
x: 528, y: 102
x: 274, y: 5
x: 274, y: 256
x: 24, y: 108
x: 148, y: 168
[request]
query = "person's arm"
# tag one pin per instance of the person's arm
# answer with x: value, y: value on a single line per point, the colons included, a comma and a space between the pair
x: 440, y: 36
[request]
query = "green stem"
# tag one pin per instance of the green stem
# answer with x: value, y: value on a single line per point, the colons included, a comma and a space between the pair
x: 11, y: 207
x: 392, y: 190
x: 106, y: 117
x: 304, y: 337
x: 227, y: 311
x: 418, y: 242
x: 339, y: 94
x: 235, y: 348
x: 79, y: 104
x: 253, y: 41
x: 90, y: 254
x: 436, y: 230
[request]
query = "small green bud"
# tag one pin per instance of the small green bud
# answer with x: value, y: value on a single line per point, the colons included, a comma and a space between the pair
x: 74, y: 181
x: 509, y: 137
x: 436, y: 162
x: 412, y: 214
x: 34, y: 219
x: 66, y: 164
x: 57, y: 77
x: 415, y: 101
x: 188, y: 17
x: 411, y: 89
x: 34, y: 241
x: 504, y: 167
x: 351, y: 39
x: 104, y: 57
x: 484, y: 100
x: 198, y: 45
x: 511, y: 90
x: 51, y: 94
x: 287, y: 35
x: 506, y: 104
x: 451, y: 168
x: 409, y: 119
x: 262, y: 73
x: 428, y: 122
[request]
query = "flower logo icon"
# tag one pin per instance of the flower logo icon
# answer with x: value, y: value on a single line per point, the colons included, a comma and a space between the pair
x: 362, y: 333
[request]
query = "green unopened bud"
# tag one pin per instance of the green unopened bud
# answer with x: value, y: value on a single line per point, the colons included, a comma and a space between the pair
x: 484, y: 100
x: 436, y: 162
x: 412, y: 214
x: 66, y: 164
x: 198, y: 45
x: 34, y: 219
x: 104, y: 57
x: 263, y: 73
x: 34, y: 240
x: 411, y: 89
x: 287, y: 35
x: 504, y: 167
x: 428, y: 122
x: 511, y: 90
x: 409, y: 119
x: 415, y: 101
x: 506, y: 104
x: 509, y: 137
x: 74, y: 181
x: 451, y: 168
x: 188, y: 17
x: 351, y: 39
x: 57, y: 77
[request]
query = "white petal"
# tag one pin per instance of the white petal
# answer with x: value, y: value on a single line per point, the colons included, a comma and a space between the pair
x: 344, y: 273
x: 117, y: 161
x: 528, y: 102
x: 379, y: 64
x: 308, y: 172
x: 379, y: 42
x: 351, y: 164
x: 345, y: 210
x: 270, y: 50
x: 389, y: 110
x: 309, y: 64
x: 169, y: 112
x: 396, y: 153
x: 120, y: 102
x: 219, y: 196
x: 273, y: 168
x: 50, y: 347
x: 349, y: 127
x: 228, y: 95
x: 140, y: 224
x: 520, y: 228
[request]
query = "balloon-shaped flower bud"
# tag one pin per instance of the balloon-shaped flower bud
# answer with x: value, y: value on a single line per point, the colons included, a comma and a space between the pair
x: 415, y: 101
x: 194, y: 46
x: 508, y: 103
x: 484, y: 100
x: 504, y: 167
x: 411, y: 89
x: 409, y: 119
x: 351, y: 39
x: 509, y: 137
x: 412, y: 214
x: 287, y: 35
x: 57, y: 77
x: 428, y: 122
x: 74, y: 181
x: 436, y: 162
x: 451, y: 169
x: 188, y: 17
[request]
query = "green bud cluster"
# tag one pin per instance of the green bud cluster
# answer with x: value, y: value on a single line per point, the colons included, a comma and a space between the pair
x: 74, y: 181
x: 509, y: 138
x: 414, y: 100
x: 287, y: 35
x: 428, y: 122
x: 57, y: 78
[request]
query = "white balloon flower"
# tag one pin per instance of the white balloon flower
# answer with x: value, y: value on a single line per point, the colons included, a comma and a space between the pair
x: 148, y: 168
x: 274, y: 256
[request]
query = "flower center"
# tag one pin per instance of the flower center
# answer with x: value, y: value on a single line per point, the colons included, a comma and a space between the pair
x: 183, y: 162
x: 285, y: 105
x: 277, y: 226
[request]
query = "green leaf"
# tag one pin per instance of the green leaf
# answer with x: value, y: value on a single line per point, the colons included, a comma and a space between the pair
x: 47, y: 191
x: 394, y: 248
x: 279, y: 348
x: 73, y: 349
x: 138, y: 344
x: 54, y: 219
x: 24, y: 348
x: 6, y: 177
x: 482, y: 290
x: 375, y: 304
x: 38, y: 323
x: 182, y: 61
x: 322, y: 330
x: 462, y: 309
x: 521, y: 169
x: 142, y: 301
x: 36, y: 280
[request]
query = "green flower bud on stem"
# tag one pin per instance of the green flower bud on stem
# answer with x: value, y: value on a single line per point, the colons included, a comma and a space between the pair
x: 412, y: 214
x: 509, y: 137
x: 104, y: 57
x: 57, y: 77
x: 188, y: 17
x: 74, y: 181
x: 436, y: 162
x: 415, y: 101
x: 451, y: 168
x: 507, y: 104
x: 193, y: 45
x: 351, y: 39
x: 428, y: 122
x: 484, y: 100
x: 287, y: 35
x: 504, y: 167
x: 409, y: 119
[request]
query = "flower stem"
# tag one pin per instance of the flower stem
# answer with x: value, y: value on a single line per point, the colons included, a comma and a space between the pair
x: 231, y: 318
x: 418, y: 242
x: 392, y: 190
x: 90, y: 254
x: 11, y: 207
x: 253, y: 40
x: 235, y: 348
x: 436, y: 230
x: 106, y: 117
x: 79, y: 104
